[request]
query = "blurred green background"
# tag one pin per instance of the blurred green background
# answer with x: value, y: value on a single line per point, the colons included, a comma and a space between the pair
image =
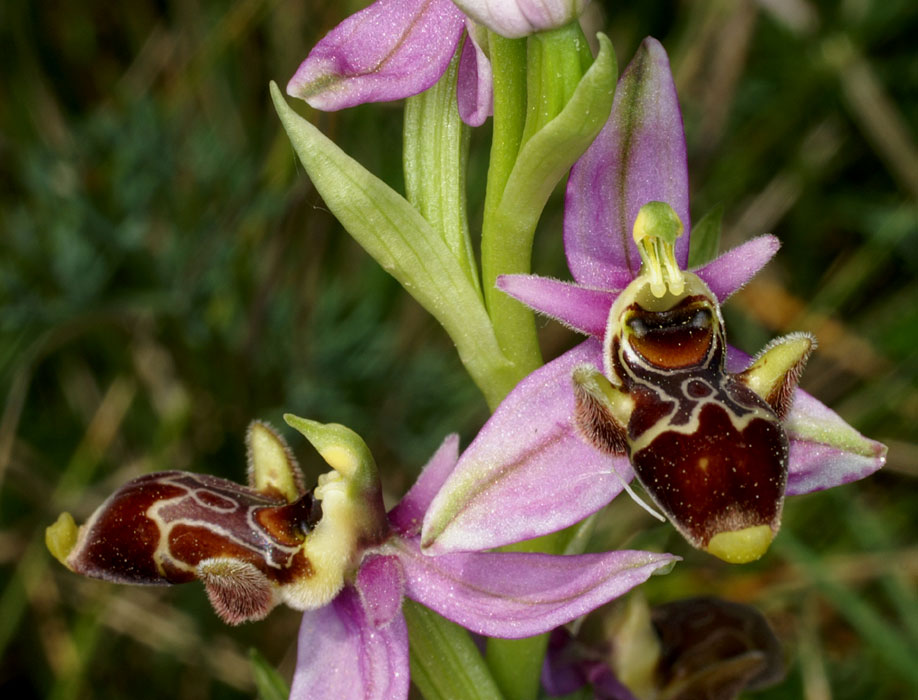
x: 168, y: 274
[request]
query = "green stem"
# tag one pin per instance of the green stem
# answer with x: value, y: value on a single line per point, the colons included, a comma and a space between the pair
x: 503, y: 250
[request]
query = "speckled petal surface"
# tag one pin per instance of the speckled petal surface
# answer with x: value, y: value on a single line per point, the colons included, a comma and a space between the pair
x: 638, y: 157
x: 527, y: 473
x: 381, y: 585
x: 475, y: 83
x: 519, y: 594
x: 389, y: 50
x: 731, y: 271
x: 408, y: 515
x: 580, y: 308
x: 341, y: 654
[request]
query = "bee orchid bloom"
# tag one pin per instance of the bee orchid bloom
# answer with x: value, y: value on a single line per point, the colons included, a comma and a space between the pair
x: 715, y: 440
x: 335, y: 554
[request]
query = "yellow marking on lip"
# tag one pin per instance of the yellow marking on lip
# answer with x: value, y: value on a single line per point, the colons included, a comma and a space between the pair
x: 741, y: 546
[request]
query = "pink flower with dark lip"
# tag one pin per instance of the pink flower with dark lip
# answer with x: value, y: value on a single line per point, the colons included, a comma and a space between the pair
x: 335, y: 554
x: 528, y: 472
x: 357, y: 645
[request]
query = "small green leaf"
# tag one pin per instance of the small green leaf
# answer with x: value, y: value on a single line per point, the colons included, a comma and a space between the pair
x: 269, y: 683
x: 705, y: 241
x: 402, y: 241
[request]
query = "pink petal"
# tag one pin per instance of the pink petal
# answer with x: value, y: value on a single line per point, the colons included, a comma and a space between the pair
x: 341, y: 654
x: 517, y: 18
x: 580, y: 308
x: 475, y: 84
x: 517, y: 594
x: 730, y: 271
x: 824, y: 450
x: 381, y: 585
x: 387, y: 51
x: 638, y: 157
x: 526, y: 473
x: 408, y: 515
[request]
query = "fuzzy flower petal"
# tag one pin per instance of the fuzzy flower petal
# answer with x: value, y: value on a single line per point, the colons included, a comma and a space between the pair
x: 516, y: 18
x: 389, y: 50
x: 638, y: 157
x: 517, y: 594
x: 580, y: 308
x: 729, y: 272
x: 527, y: 472
x: 342, y: 654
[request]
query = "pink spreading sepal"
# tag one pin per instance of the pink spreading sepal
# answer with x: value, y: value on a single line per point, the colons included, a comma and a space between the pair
x: 521, y: 594
x: 638, y: 157
x: 527, y: 473
x: 824, y: 450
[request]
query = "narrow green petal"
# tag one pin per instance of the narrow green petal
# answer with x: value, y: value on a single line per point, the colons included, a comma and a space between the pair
x: 435, y: 159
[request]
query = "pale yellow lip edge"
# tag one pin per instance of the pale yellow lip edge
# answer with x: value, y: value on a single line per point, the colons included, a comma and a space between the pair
x: 741, y: 546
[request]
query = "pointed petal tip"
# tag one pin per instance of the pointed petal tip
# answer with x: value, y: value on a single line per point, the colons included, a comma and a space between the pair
x: 731, y: 271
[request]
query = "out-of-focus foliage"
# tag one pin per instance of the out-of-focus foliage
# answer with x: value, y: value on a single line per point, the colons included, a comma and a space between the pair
x: 167, y: 274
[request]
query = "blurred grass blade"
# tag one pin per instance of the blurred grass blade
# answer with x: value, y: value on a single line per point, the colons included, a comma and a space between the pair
x: 269, y: 683
x: 885, y: 641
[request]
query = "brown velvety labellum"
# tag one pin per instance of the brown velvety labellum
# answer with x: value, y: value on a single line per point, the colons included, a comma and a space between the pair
x: 158, y: 528
x: 718, y: 477
x: 672, y: 339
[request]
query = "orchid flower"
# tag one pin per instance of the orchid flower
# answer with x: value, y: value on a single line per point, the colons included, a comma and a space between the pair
x: 715, y: 441
x: 393, y: 49
x: 334, y: 553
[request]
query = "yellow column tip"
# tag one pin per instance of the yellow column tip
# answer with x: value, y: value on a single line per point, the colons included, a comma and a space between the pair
x: 741, y: 546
